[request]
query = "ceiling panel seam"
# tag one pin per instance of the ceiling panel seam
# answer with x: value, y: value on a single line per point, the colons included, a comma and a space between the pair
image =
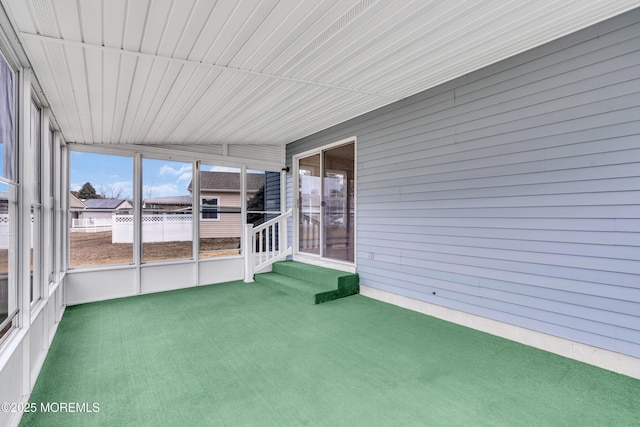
x: 200, y: 64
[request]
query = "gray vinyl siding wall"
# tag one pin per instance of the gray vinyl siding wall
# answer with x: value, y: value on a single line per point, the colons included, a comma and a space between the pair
x: 513, y: 192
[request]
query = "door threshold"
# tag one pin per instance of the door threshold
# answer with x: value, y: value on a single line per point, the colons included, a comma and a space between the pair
x: 324, y: 262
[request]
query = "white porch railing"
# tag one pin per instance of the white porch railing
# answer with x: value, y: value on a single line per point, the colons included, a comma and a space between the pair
x: 265, y: 244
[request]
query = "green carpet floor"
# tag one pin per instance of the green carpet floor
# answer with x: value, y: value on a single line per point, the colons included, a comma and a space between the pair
x: 241, y: 354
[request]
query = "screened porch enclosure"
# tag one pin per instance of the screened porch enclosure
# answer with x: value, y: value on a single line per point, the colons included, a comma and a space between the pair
x: 472, y: 161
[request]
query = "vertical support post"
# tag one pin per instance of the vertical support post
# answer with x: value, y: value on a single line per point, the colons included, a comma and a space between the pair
x: 248, y: 253
x: 137, y: 220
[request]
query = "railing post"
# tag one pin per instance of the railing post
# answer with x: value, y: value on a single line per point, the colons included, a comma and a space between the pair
x: 284, y: 238
x: 249, y: 258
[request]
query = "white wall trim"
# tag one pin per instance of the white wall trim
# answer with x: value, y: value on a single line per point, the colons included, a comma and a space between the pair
x: 606, y: 359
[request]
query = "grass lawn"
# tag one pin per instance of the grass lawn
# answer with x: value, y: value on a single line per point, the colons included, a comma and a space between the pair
x: 87, y: 249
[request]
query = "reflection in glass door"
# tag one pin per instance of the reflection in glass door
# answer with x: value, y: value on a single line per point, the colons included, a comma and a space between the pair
x: 309, y: 204
x: 338, y: 217
x: 326, y: 206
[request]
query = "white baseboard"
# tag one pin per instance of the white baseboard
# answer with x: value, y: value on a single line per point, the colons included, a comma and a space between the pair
x: 606, y: 359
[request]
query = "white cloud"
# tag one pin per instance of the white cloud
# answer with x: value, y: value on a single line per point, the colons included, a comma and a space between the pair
x: 163, y: 190
x: 166, y: 169
x: 185, y: 177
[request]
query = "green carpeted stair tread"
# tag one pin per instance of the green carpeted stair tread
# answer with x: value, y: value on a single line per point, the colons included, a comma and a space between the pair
x: 347, y: 282
x: 310, y: 283
x: 310, y: 292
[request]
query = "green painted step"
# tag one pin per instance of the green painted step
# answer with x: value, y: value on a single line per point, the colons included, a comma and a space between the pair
x: 310, y: 283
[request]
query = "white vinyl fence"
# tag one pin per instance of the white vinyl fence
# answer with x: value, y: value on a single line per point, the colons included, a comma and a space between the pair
x: 164, y: 227
x: 91, y: 225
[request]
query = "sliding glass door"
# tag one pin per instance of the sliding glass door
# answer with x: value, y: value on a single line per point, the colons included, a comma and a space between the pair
x: 309, y: 206
x: 326, y: 203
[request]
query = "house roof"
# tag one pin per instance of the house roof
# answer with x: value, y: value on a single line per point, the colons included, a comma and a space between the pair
x: 103, y: 203
x: 228, y: 181
x: 248, y: 72
x: 173, y: 200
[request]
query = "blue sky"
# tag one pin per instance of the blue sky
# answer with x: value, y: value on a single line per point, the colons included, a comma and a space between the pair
x: 162, y: 178
x: 112, y: 174
x: 105, y: 173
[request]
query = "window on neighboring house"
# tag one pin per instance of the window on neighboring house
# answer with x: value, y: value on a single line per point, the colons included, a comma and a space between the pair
x: 209, y: 208
x: 100, y: 209
x: 220, y: 211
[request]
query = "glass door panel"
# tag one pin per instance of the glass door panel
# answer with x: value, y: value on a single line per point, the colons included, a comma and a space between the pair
x: 309, y: 204
x: 338, y: 212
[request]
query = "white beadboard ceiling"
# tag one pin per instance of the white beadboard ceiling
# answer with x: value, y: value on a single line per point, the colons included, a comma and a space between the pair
x: 264, y: 72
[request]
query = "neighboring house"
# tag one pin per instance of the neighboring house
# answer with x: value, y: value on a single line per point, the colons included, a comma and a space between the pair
x: 75, y: 206
x: 172, y: 203
x: 220, y: 202
x: 4, y: 201
x: 89, y: 215
x: 102, y: 208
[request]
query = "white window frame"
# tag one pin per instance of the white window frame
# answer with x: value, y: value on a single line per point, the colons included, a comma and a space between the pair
x: 36, y: 233
x: 15, y: 300
x: 140, y: 153
x: 314, y: 258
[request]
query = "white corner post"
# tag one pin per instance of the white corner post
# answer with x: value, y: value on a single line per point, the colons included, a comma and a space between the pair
x: 248, y: 253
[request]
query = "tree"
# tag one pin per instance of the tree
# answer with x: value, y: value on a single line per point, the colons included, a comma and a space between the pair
x: 116, y: 192
x: 102, y: 192
x: 88, y: 192
x: 113, y: 193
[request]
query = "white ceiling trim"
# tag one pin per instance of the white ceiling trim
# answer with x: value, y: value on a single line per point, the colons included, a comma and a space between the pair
x: 53, y: 40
